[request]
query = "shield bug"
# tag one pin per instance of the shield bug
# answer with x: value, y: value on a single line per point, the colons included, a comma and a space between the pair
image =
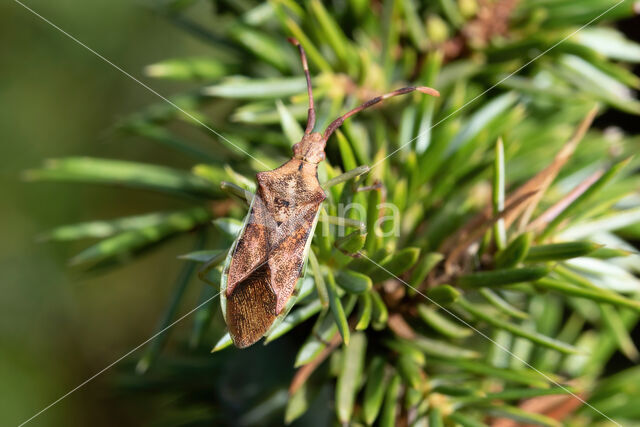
x: 264, y: 265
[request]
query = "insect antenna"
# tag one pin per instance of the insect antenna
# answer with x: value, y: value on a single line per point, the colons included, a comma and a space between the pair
x: 338, y: 122
x: 311, y: 115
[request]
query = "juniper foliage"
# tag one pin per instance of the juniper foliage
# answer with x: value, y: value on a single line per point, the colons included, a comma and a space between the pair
x: 511, y: 282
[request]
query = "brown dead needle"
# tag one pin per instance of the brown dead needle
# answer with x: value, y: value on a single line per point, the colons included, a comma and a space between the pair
x: 266, y: 261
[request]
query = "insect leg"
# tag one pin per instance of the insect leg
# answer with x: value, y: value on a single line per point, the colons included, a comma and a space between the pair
x: 338, y: 122
x: 343, y: 222
x: 311, y: 117
x: 236, y: 191
x: 203, y: 272
x: 376, y: 186
x: 353, y: 173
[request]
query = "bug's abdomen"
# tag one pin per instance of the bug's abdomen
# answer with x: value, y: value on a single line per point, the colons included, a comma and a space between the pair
x: 251, y: 308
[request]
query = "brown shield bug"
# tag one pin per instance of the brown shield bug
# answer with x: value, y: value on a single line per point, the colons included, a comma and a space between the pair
x: 265, y: 263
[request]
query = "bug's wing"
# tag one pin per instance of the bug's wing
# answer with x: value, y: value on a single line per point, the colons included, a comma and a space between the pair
x: 251, y: 308
x: 287, y: 252
x: 250, y: 300
x: 252, y: 248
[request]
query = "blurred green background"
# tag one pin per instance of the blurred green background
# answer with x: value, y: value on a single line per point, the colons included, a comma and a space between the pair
x: 59, y: 327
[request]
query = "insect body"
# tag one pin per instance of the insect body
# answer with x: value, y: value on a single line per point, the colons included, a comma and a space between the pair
x: 265, y: 263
